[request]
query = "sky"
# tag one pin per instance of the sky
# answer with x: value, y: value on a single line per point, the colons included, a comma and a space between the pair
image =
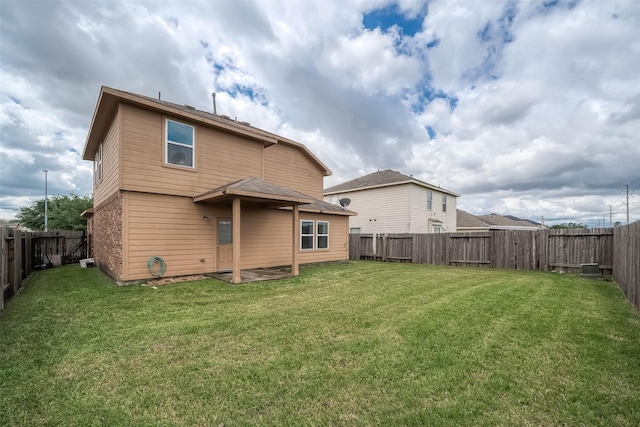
x: 524, y: 108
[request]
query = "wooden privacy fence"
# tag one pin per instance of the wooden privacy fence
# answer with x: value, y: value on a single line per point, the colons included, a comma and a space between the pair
x: 22, y: 252
x: 626, y: 261
x: 615, y: 250
x: 510, y: 249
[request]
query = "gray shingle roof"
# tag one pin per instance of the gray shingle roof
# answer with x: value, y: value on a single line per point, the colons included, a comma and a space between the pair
x: 465, y: 219
x: 256, y: 185
x: 381, y: 178
x: 507, y: 221
x: 322, y: 206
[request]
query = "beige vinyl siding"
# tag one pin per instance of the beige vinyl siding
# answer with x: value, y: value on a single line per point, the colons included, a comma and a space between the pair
x: 220, y: 157
x: 110, y: 165
x: 380, y: 210
x: 266, y: 238
x: 338, y: 239
x: 290, y: 167
x: 420, y: 215
x: 172, y: 228
x: 450, y: 218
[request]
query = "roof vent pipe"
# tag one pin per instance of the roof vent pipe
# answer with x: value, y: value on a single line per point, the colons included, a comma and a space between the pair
x: 214, y: 103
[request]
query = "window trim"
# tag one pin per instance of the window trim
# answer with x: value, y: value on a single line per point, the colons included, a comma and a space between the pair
x: 429, y: 200
x: 318, y: 235
x: 176, y: 143
x: 302, y: 221
x: 314, y: 235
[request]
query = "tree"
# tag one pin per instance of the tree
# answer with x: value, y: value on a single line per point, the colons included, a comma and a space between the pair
x: 570, y: 225
x: 63, y: 213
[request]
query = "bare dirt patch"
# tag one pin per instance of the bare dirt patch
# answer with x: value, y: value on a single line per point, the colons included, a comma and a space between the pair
x: 169, y: 280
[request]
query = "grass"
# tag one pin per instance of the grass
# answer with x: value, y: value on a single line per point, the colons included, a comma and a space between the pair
x: 356, y: 344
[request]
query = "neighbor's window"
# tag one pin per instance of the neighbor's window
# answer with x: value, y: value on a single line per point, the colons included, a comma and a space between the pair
x: 437, y: 229
x: 429, y: 199
x: 179, y: 144
x: 322, y: 235
x: 444, y: 203
x: 306, y: 234
x: 97, y: 167
x: 354, y: 230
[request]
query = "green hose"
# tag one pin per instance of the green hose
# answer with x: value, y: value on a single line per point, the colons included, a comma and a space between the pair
x: 157, y: 266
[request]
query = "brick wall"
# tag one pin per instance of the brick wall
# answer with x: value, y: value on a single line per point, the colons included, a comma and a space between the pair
x: 107, y: 235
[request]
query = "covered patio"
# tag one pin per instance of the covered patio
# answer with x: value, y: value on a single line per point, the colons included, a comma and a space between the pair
x: 255, y: 191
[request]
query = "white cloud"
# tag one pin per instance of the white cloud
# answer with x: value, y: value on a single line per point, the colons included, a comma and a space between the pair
x: 534, y: 112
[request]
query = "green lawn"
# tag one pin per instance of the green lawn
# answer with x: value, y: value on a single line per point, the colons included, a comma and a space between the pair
x: 354, y: 344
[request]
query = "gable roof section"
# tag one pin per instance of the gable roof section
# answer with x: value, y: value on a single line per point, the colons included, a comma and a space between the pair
x: 110, y: 98
x: 383, y: 178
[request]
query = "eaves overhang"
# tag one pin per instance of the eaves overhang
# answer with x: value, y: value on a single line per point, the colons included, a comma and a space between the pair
x: 391, y: 184
x: 110, y: 98
x: 231, y: 193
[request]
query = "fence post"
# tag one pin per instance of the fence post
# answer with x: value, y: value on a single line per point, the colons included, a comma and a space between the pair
x: 3, y: 265
x: 27, y: 253
x: 17, y: 260
x: 384, y: 247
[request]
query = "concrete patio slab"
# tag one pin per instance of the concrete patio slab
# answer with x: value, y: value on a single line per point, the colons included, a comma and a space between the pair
x: 255, y: 274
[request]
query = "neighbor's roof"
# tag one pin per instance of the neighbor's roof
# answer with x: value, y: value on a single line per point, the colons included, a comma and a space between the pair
x: 465, y: 219
x: 492, y: 221
x: 508, y: 221
x: 383, y: 178
x: 110, y: 98
x: 276, y: 196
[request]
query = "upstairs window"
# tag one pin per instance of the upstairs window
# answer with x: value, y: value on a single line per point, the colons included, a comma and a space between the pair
x: 444, y: 203
x: 429, y: 199
x: 179, y: 144
x: 306, y: 234
x: 322, y: 235
x: 97, y: 167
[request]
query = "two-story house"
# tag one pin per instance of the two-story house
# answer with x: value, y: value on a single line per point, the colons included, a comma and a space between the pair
x: 202, y: 193
x: 390, y: 202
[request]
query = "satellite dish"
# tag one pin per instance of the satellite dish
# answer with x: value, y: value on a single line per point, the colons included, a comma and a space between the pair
x: 344, y: 202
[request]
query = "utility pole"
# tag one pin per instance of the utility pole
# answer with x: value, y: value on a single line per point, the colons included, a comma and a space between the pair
x: 46, y: 214
x: 610, y: 215
x: 627, y: 203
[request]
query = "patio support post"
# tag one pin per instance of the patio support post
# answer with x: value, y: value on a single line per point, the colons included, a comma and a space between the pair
x: 294, y: 243
x: 236, y: 278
